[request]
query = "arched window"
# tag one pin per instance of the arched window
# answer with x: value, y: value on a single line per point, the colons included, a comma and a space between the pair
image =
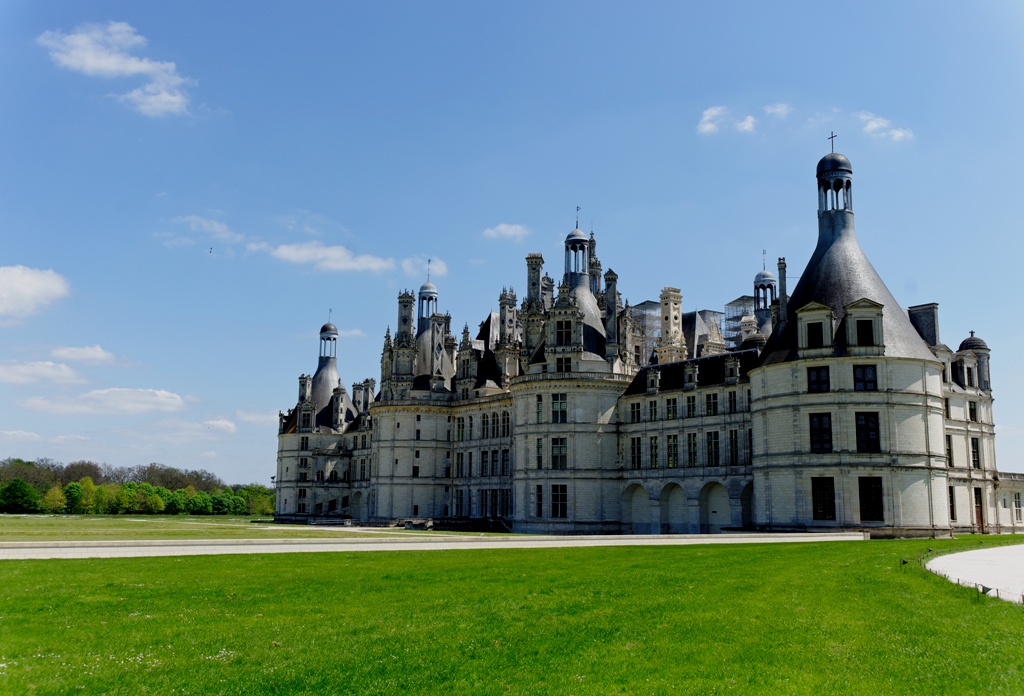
x: 494, y: 425
x: 504, y: 424
x: 483, y: 425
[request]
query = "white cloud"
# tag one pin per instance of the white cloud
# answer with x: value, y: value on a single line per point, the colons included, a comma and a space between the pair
x: 23, y: 290
x: 217, y: 229
x: 106, y: 51
x: 12, y: 372
x: 20, y: 436
x: 779, y: 110
x: 61, y: 439
x: 221, y: 424
x: 91, y: 354
x: 746, y: 125
x: 879, y: 127
x: 325, y: 258
x: 417, y: 266
x: 506, y: 231
x: 265, y: 419
x: 109, y: 401
x: 710, y: 119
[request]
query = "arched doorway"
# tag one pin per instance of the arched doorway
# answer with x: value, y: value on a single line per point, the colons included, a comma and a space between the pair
x: 714, y: 509
x: 636, y: 510
x: 747, y: 506
x: 673, y: 509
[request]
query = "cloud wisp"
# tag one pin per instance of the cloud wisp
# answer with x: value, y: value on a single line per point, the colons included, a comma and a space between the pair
x: 113, y: 401
x: 106, y: 51
x: 24, y: 291
x: 215, y: 228
x: 878, y: 127
x: 12, y: 372
x: 323, y: 257
x: 779, y: 110
x: 417, y: 266
x: 714, y: 118
x: 86, y: 354
x: 506, y: 231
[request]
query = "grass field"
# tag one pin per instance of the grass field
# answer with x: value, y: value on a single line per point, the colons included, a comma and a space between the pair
x: 141, y: 527
x: 780, y: 618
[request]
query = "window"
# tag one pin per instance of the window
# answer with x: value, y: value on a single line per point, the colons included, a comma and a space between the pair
x: 634, y: 453
x: 417, y: 454
x: 332, y: 505
x: 559, y: 501
x: 672, y: 454
x: 734, y: 447
x: 821, y: 433
x: 867, y: 433
x: 302, y: 507
x: 653, y: 451
x: 307, y: 419
x: 952, y: 504
x: 750, y: 446
x: 460, y: 428
x: 483, y: 463
x: 540, y: 453
x: 460, y: 464
x: 415, y: 472
x: 712, y: 439
x: 871, y: 509
x: 303, y: 476
x: 732, y: 402
x: 563, y: 364
x: 818, y: 380
x: 634, y: 413
x: 671, y: 409
x: 540, y: 408
x: 469, y: 464
x: 823, y: 498
x: 975, y: 453
x: 949, y: 450
x: 504, y: 424
x: 485, y: 422
x: 505, y: 463
x: 865, y: 332
x: 972, y: 411
x: 469, y: 430
x: 652, y: 410
x: 815, y: 334
x: 494, y: 462
x: 417, y: 433
x: 970, y: 376
x: 945, y: 407
x: 459, y: 497
x: 711, y: 404
x: 506, y: 502
x: 540, y: 501
x: 1018, y: 514
x: 494, y: 425
x: 563, y: 333
x: 559, y: 408
x: 559, y: 453
x: 691, y: 449
x: 333, y: 478
x: 304, y: 443
x: 483, y: 503
x: 864, y: 378
x: 691, y: 407
x: 303, y: 463
x: 362, y: 469
x: 319, y: 476
x: 302, y: 493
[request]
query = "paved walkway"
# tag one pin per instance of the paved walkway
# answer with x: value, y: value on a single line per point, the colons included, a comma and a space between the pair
x: 999, y: 569
x: 130, y: 549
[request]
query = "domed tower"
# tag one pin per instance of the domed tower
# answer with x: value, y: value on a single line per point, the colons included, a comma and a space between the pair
x: 326, y: 380
x: 577, y: 281
x: 427, y: 306
x: 835, y: 200
x: 765, y: 289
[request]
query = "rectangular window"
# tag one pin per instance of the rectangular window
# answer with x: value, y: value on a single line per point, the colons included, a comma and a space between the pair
x: 734, y: 447
x: 949, y: 450
x: 652, y: 410
x: 634, y: 413
x: 559, y: 453
x: 975, y: 453
x: 417, y: 433
x: 460, y: 429
x: 972, y: 411
x: 469, y: 464
x: 302, y: 493
x: 865, y: 332
x: 307, y: 419
x: 821, y: 432
x: 304, y: 443
x: 653, y: 452
x: 671, y: 409
x: 691, y: 449
x: 672, y: 455
x: 750, y: 446
x: 691, y: 407
x: 871, y: 508
x: 563, y: 364
x: 559, y: 501
x: 945, y: 407
x: 1018, y: 513
x: 415, y: 472
x: 540, y: 453
x: 459, y: 505
x: 540, y: 501
x: 818, y: 380
x: 540, y: 408
x: 303, y: 476
x: 494, y: 462
x: 634, y: 453
x: 732, y: 402
x: 711, y: 404
x: 563, y: 333
x: 970, y: 376
x: 484, y: 462
x: 506, y: 502
x: 559, y: 408
x: 823, y: 498
x: 483, y: 502
x: 460, y: 465
x: 815, y: 334
x: 952, y: 504
x: 867, y: 432
x: 712, y: 440
x: 864, y: 378
x: 469, y: 430
x: 303, y: 463
x: 504, y: 424
x: 505, y: 463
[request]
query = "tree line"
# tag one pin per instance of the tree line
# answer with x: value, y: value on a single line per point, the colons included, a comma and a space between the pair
x: 85, y: 488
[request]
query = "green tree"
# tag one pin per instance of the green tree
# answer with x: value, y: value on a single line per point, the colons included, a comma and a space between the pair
x: 54, y: 500
x: 152, y: 505
x: 16, y: 496
x: 73, y: 495
x: 199, y: 504
x: 88, y: 495
x: 177, y: 504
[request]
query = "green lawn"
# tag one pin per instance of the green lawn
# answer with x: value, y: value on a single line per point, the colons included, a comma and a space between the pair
x: 780, y: 618
x: 130, y: 528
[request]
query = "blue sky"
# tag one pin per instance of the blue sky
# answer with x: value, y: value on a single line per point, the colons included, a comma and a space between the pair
x: 187, y: 189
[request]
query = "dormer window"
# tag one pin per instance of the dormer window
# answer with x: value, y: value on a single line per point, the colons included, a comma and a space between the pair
x: 815, y: 335
x: 864, y: 329
x: 865, y: 332
x: 815, y: 330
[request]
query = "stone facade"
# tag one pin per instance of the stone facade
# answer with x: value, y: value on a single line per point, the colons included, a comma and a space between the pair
x: 571, y: 412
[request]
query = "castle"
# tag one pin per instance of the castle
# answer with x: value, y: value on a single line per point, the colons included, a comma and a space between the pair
x: 572, y: 412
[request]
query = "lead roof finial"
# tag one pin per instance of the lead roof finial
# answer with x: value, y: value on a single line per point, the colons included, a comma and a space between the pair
x: 577, y: 217
x: 832, y: 139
